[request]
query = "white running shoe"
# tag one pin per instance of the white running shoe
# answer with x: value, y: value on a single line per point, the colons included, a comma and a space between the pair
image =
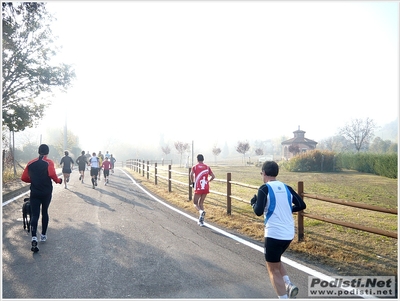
x: 292, y: 290
x: 43, y: 238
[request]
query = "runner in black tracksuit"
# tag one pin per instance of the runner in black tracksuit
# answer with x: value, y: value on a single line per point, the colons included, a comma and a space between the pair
x: 39, y: 172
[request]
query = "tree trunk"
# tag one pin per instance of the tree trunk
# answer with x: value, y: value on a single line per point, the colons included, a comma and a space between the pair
x: 12, y: 154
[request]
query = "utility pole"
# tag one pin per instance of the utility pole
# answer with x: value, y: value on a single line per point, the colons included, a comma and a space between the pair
x: 65, y: 132
x: 192, y: 151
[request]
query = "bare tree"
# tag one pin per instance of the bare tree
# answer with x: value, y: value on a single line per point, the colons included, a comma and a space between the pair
x: 181, y: 148
x: 359, y: 132
x: 243, y: 148
x: 216, y: 151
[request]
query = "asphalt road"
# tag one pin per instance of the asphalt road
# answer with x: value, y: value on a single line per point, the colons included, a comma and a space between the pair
x: 117, y: 241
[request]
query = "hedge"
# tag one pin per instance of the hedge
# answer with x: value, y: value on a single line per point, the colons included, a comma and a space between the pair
x: 327, y: 161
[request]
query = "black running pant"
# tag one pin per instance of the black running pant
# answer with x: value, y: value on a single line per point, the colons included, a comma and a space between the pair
x: 36, y: 203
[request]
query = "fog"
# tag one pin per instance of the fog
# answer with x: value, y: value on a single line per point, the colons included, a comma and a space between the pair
x: 215, y: 73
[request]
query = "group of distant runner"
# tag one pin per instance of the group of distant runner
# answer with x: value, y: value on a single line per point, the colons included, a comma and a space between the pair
x: 96, y: 163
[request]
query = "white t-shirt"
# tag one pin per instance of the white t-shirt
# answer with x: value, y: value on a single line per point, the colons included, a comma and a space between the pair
x: 279, y: 223
x: 94, y: 162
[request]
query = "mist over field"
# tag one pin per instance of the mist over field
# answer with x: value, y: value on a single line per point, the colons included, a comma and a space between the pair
x: 218, y: 72
x: 133, y: 146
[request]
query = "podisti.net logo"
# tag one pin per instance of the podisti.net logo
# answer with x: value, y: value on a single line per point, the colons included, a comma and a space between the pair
x: 377, y: 286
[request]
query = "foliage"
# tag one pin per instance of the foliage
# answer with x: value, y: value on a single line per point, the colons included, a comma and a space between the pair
x: 327, y: 161
x: 259, y: 152
x: 379, y: 164
x: 166, y: 150
x: 216, y: 151
x: 27, y: 73
x: 72, y: 143
x: 242, y: 147
x: 359, y: 131
x: 335, y: 144
x: 315, y: 160
x: 30, y: 151
x: 380, y: 146
x: 294, y: 149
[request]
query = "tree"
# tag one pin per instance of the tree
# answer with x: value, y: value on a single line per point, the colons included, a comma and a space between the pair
x: 28, y: 47
x: 359, y: 132
x: 216, y: 151
x: 335, y: 144
x: 243, y: 148
x: 72, y: 143
x: 382, y: 146
x: 259, y: 152
x: 294, y: 149
x: 181, y: 148
x: 166, y: 150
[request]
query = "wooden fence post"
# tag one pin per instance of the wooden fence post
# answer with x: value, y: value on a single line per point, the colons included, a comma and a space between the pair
x: 169, y: 178
x: 143, y: 168
x: 300, y: 217
x: 155, y: 173
x: 228, y: 193
x: 190, y: 184
x: 147, y: 169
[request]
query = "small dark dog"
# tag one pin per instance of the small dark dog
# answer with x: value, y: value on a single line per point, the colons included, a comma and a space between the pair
x: 26, y: 211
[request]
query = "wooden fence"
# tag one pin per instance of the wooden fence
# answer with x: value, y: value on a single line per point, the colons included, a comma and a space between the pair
x: 143, y: 168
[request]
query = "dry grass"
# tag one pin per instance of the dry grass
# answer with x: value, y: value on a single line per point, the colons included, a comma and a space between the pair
x: 8, y: 174
x: 346, y: 251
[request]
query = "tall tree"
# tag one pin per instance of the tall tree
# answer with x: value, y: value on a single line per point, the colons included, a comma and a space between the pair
x: 216, y: 151
x: 166, y: 150
x: 359, y: 132
x: 28, y: 47
x: 181, y: 148
x: 243, y: 148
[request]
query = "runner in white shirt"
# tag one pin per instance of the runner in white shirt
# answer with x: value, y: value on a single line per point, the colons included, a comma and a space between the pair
x: 94, y: 163
x: 277, y: 201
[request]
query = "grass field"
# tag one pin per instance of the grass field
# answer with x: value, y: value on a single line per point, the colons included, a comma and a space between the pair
x: 345, y: 250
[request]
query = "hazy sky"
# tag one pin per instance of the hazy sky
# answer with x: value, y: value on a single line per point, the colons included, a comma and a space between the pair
x: 212, y: 71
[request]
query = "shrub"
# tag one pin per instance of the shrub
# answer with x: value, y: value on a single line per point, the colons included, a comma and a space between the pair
x: 315, y: 160
x: 379, y: 164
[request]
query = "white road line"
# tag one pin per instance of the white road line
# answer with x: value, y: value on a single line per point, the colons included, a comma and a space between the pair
x: 15, y: 198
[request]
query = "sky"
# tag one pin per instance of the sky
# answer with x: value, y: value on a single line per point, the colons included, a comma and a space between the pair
x: 216, y: 71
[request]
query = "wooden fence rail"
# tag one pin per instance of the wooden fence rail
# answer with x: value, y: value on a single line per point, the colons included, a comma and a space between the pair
x: 141, y: 166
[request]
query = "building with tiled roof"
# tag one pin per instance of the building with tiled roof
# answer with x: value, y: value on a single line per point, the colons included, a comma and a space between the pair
x: 304, y: 144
